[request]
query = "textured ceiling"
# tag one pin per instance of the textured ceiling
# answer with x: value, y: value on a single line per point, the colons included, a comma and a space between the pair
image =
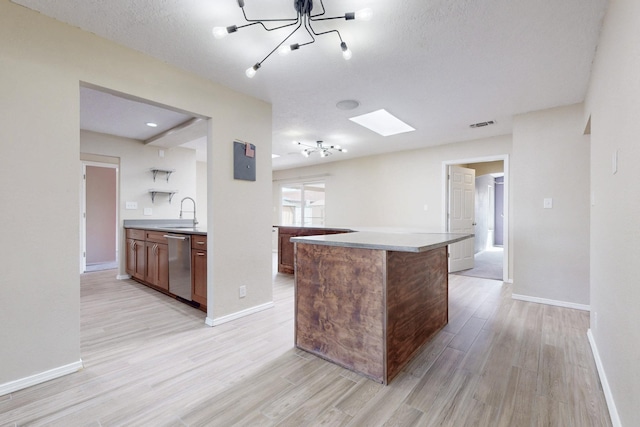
x: 439, y: 65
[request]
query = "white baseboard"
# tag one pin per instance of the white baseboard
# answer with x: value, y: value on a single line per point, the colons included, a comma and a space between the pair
x: 42, y: 377
x: 611, y: 404
x: 552, y: 302
x: 123, y: 277
x: 230, y: 317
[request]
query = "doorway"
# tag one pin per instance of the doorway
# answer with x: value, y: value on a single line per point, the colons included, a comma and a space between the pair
x: 491, y: 242
x: 100, y: 216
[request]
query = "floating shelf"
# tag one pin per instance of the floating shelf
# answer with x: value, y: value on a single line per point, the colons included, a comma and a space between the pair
x: 155, y: 172
x: 153, y: 193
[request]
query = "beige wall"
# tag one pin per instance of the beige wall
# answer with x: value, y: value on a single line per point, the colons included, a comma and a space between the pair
x: 42, y: 63
x: 390, y: 190
x: 201, y: 192
x: 613, y: 102
x: 551, y: 246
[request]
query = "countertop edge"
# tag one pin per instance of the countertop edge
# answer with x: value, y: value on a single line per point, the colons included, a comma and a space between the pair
x: 179, y: 230
x: 384, y: 247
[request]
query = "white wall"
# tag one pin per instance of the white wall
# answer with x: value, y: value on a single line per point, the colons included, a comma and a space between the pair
x: 613, y: 102
x: 390, y: 190
x: 42, y: 63
x: 136, y: 159
x: 551, y: 246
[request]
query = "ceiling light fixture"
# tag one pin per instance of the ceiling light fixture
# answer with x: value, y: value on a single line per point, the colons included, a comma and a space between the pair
x: 152, y: 125
x: 324, y: 150
x: 303, y: 9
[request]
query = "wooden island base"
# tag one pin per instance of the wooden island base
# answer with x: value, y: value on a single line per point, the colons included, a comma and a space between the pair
x: 368, y: 310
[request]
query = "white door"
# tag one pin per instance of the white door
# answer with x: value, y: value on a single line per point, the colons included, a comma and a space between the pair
x: 461, y: 214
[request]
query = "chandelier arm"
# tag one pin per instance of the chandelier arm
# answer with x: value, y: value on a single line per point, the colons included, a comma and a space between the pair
x: 327, y: 32
x: 319, y: 14
x: 307, y: 26
x: 327, y: 19
x: 267, y: 20
x: 282, y: 42
x: 264, y: 26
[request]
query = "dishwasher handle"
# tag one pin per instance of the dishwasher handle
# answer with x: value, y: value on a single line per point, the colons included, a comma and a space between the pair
x: 175, y: 237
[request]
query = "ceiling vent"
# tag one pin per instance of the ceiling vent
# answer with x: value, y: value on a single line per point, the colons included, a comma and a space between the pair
x: 482, y: 124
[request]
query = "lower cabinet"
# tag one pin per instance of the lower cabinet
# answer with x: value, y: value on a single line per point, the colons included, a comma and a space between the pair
x: 136, y: 264
x: 157, y: 269
x: 148, y: 262
x: 199, y: 269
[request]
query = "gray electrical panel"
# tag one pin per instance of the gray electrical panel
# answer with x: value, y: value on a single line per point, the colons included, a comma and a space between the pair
x: 244, y: 161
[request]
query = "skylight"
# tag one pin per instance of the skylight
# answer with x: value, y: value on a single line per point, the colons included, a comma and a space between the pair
x: 383, y: 123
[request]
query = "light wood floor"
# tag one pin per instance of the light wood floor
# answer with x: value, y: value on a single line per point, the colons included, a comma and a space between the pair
x: 151, y: 361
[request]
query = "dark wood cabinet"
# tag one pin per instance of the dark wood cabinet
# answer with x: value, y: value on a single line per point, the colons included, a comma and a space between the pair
x: 136, y: 264
x: 157, y: 268
x: 285, y: 247
x: 199, y: 269
x: 157, y: 260
x: 147, y: 261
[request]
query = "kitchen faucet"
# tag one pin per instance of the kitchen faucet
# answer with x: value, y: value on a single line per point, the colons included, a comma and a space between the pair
x: 195, y: 221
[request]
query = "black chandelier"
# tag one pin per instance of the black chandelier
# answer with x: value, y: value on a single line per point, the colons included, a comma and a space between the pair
x: 304, y: 17
x: 324, y: 150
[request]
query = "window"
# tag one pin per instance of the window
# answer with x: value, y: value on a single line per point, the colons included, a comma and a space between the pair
x: 303, y: 204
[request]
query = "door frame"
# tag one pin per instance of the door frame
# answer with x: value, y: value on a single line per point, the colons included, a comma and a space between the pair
x: 445, y: 201
x: 83, y: 209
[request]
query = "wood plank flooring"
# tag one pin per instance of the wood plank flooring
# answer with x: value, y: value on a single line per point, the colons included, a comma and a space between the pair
x: 150, y: 361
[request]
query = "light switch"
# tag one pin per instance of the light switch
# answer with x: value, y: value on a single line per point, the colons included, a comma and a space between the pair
x: 148, y: 211
x: 548, y: 203
x: 131, y: 205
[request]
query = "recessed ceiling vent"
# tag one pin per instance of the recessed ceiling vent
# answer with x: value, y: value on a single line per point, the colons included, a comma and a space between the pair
x: 482, y: 124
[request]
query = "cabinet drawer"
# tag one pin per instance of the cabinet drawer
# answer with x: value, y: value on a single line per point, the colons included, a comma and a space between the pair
x: 199, y: 242
x: 155, y: 236
x: 133, y: 233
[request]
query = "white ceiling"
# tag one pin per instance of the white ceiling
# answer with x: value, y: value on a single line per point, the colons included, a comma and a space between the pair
x: 439, y: 65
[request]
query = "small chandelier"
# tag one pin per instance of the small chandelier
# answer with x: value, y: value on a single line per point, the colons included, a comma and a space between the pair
x: 303, y: 9
x: 324, y: 150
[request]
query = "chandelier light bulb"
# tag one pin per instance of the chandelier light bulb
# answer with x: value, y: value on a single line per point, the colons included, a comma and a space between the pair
x: 305, y: 153
x: 251, y: 71
x: 364, y: 14
x: 346, y: 52
x: 220, y: 32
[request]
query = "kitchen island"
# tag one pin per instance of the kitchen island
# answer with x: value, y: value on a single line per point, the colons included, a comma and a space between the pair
x: 368, y: 301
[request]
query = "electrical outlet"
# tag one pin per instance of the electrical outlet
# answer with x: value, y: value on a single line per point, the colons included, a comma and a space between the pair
x: 131, y: 205
x: 242, y: 291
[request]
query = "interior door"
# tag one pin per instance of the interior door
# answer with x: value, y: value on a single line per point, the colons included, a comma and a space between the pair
x: 461, y: 214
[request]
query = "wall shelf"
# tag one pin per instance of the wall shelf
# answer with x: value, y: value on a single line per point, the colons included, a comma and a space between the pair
x: 154, y: 192
x: 156, y: 171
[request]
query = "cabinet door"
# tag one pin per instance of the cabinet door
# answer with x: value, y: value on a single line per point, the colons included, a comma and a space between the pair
x: 157, y: 265
x: 199, y: 277
x: 135, y: 258
x: 151, y: 268
x: 131, y: 257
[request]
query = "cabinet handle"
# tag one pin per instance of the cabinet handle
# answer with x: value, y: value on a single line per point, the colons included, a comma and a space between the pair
x: 201, y: 254
x: 200, y: 243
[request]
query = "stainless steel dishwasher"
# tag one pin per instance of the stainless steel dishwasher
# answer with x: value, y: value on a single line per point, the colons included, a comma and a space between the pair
x: 179, y: 265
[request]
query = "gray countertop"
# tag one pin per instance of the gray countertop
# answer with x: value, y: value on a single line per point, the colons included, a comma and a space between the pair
x: 400, y: 242
x: 183, y: 226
